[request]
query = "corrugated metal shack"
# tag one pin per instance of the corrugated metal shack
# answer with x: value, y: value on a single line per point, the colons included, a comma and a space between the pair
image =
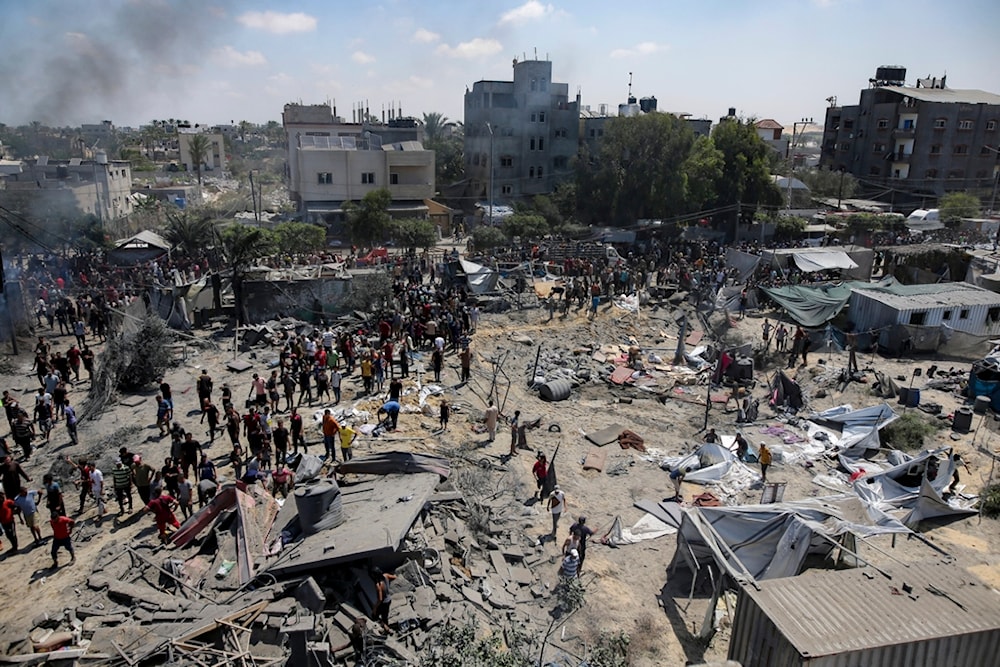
x: 959, y: 306
x: 931, y: 615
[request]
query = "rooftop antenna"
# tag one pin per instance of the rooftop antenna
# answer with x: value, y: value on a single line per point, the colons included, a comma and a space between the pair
x: 630, y: 84
x: 536, y: 53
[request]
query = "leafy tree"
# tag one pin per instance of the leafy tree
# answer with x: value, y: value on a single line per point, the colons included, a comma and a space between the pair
x: 299, y: 237
x: 368, y: 222
x: 827, y: 182
x: 957, y: 205
x: 485, y: 237
x: 199, y: 146
x: 746, y: 176
x: 702, y: 170
x: 788, y: 226
x: 638, y: 171
x: 434, y: 124
x: 449, y: 159
x: 413, y: 233
x: 525, y: 226
x: 548, y: 210
x: 192, y: 232
x: 243, y: 246
x: 565, y: 199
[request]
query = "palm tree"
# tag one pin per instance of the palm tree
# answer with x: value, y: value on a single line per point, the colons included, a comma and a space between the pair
x: 244, y: 246
x: 193, y: 234
x: 434, y: 123
x: 199, y: 147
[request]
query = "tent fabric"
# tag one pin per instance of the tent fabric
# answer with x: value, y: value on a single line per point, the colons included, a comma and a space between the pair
x: 811, y: 306
x: 785, y: 392
x: 143, y: 239
x: 709, y: 463
x: 931, y: 505
x: 481, y: 279
x: 823, y: 260
x: 857, y: 422
x: 773, y: 541
x: 744, y: 263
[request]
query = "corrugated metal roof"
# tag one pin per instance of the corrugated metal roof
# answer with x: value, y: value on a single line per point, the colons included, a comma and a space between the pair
x: 952, y: 95
x: 935, y: 295
x: 831, y: 612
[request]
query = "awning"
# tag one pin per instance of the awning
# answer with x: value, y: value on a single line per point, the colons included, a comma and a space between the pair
x: 481, y: 279
x: 143, y: 240
x: 811, y: 306
x: 823, y: 260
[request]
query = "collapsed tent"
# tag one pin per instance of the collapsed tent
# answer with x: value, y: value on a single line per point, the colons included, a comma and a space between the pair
x: 858, y: 428
x: 709, y: 463
x: 917, y: 483
x: 754, y: 542
x: 481, y: 279
x: 785, y: 392
x: 138, y: 249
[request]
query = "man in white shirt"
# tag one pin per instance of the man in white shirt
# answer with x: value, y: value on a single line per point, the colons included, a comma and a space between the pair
x: 335, y: 379
x: 557, y: 503
x: 97, y: 488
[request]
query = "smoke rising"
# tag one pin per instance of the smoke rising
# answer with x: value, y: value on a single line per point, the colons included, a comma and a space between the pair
x: 100, y: 59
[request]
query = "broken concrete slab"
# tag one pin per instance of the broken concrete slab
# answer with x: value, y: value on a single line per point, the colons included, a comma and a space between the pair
x: 311, y: 596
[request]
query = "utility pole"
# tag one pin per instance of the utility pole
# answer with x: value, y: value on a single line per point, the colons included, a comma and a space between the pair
x: 490, y: 128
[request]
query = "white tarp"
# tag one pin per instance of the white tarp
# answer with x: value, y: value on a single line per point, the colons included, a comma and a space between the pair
x: 859, y: 428
x: 823, y: 260
x: 709, y: 463
x: 481, y: 279
x: 646, y: 528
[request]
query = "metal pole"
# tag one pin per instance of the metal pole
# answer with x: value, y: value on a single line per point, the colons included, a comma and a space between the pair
x: 490, y: 128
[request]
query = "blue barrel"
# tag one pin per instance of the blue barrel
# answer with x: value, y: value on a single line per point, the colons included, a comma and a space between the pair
x: 913, y: 398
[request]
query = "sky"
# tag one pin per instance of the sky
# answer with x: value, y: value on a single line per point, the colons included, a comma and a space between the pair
x: 68, y: 62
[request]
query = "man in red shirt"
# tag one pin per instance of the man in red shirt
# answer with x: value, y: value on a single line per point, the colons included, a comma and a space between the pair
x: 61, y: 527
x: 540, y: 471
x: 162, y: 508
x: 7, y: 507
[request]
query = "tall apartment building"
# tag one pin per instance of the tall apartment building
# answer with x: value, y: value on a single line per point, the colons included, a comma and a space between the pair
x: 523, y: 133
x: 926, y: 139
x: 331, y: 161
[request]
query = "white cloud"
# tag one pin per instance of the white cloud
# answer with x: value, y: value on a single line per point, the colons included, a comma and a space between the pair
x: 230, y: 57
x: 362, y: 58
x: 474, y: 48
x: 425, y: 36
x: 640, y: 49
x: 278, y: 23
x: 529, y: 11
x: 420, y: 82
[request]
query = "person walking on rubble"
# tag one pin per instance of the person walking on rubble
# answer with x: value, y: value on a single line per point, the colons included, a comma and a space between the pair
x: 556, y: 505
x: 383, y: 582
x: 492, y: 415
x: 764, y: 456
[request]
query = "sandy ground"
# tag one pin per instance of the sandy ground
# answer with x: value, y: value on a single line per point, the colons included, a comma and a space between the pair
x: 628, y: 588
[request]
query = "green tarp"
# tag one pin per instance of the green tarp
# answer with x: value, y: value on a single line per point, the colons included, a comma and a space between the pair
x: 813, y: 306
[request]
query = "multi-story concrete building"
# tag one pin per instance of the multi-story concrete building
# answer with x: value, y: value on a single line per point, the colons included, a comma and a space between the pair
x: 215, y: 158
x: 331, y: 162
x: 61, y: 189
x: 522, y: 133
x: 922, y: 140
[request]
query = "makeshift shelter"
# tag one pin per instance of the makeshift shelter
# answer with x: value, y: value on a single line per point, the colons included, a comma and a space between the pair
x: 932, y: 615
x: 481, y: 279
x: 851, y: 261
x: 709, y: 463
x: 142, y: 247
x: 858, y: 428
x: 758, y: 542
x: 785, y: 392
x: 811, y: 306
x: 984, y: 380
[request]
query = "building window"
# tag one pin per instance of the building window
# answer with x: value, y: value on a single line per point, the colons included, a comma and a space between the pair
x: 963, y: 314
x: 600, y: 132
x: 965, y: 124
x: 936, y: 149
x: 947, y: 315
x: 848, y: 124
x: 368, y: 178
x: 506, y: 161
x: 844, y: 146
x: 544, y: 85
x: 883, y: 123
x: 561, y: 132
x: 531, y: 145
x: 534, y: 117
x: 534, y: 85
x: 393, y: 178
x: 874, y: 171
x: 940, y: 123
x: 324, y: 178
x: 531, y: 172
x: 908, y: 124
x: 918, y: 319
x: 991, y: 125
x: 541, y: 117
x: 961, y: 149
x: 593, y: 133
x: 540, y: 171
x: 506, y: 189
x: 541, y: 143
x: 930, y: 173
x: 878, y: 148
x: 993, y: 315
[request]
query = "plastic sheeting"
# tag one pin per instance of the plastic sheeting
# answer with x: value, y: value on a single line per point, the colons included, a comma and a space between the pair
x: 481, y: 279
x: 709, y: 463
x: 744, y: 263
x: 646, y: 528
x: 823, y: 260
x: 811, y: 306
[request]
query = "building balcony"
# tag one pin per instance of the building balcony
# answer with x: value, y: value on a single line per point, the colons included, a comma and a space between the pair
x: 904, y: 132
x: 901, y: 157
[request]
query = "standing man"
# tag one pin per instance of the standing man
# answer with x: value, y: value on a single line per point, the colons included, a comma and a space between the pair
x: 515, y: 423
x: 582, y: 531
x: 61, y: 527
x: 27, y: 503
x: 766, y: 332
x: 492, y: 415
x: 295, y: 421
x: 764, y: 456
x: 540, y: 471
x: 71, y: 422
x: 465, y: 357
x: 779, y: 337
x: 142, y: 477
x: 330, y: 428
x: 335, y: 380
x: 382, y: 583
x: 556, y: 505
x: 7, y: 507
x: 83, y: 483
x: 347, y: 437
x: 280, y: 436
x: 97, y: 488
x: 121, y: 478
x: 677, y: 478
x: 204, y: 387
x: 11, y: 474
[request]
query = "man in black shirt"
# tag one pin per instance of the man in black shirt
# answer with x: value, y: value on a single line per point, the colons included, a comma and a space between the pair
x: 190, y: 449
x: 280, y: 437
x: 395, y: 389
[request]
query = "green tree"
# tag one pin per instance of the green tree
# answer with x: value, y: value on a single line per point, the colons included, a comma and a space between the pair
x: 199, y: 147
x: 192, y: 232
x: 702, y: 170
x: 414, y: 233
x: 299, y: 237
x: 243, y: 247
x: 788, y: 227
x: 638, y: 170
x: 565, y: 199
x: 434, y: 124
x: 525, y: 226
x: 485, y: 237
x: 746, y: 176
x: 827, y: 182
x: 544, y: 206
x: 368, y: 221
x: 449, y: 159
x: 957, y: 205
